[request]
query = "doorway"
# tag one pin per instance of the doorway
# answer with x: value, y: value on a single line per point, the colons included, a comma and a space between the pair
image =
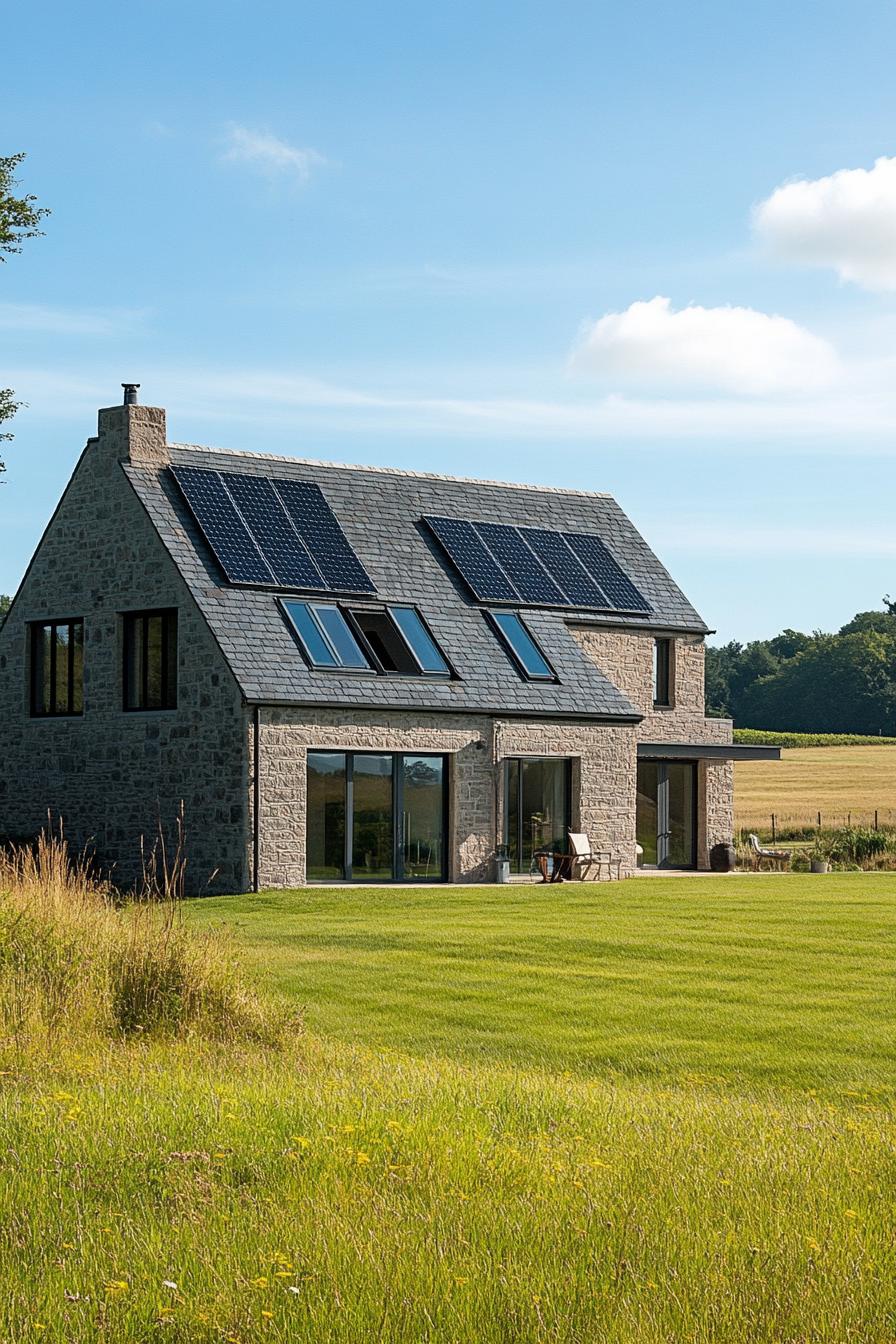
x: 666, y: 814
x: 536, y: 807
x: 376, y: 817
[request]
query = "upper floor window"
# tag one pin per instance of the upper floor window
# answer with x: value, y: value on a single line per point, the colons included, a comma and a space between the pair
x: 662, y: 672
x: 57, y: 668
x: 521, y: 646
x: 392, y: 640
x: 150, y: 660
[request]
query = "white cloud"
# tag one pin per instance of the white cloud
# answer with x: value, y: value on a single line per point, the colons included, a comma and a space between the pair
x: 268, y: 154
x: 846, y: 221
x: 652, y: 346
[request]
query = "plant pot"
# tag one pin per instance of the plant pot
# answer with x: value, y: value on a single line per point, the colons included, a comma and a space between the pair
x: 818, y: 865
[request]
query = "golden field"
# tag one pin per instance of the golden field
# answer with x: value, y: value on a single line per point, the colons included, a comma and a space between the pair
x: 839, y: 782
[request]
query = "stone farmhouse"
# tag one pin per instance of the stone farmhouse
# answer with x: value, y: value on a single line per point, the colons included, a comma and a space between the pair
x: 350, y: 673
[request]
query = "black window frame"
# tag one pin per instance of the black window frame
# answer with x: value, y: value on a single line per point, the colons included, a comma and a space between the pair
x: 397, y: 778
x: 663, y: 664
x: 168, y: 692
x: 37, y: 633
x: 550, y: 680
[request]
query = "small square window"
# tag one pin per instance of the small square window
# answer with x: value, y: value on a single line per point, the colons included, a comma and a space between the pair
x: 150, y: 660
x: 57, y: 668
x: 662, y: 672
x: 521, y: 646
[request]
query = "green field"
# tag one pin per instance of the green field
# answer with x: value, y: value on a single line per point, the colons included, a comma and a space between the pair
x: 646, y: 1112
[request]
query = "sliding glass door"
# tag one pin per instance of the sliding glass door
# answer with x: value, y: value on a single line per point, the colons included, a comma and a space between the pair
x: 666, y: 813
x: 536, y: 808
x: 376, y: 817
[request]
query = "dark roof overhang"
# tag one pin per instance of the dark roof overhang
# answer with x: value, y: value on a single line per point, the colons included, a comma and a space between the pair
x: 484, y: 711
x: 705, y: 751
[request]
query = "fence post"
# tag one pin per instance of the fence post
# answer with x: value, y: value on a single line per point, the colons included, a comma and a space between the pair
x: 876, y: 827
x: 774, y: 836
x: 849, y: 818
x: 819, y: 821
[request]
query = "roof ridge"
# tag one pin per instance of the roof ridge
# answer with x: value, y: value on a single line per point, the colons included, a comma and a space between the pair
x: 393, y: 471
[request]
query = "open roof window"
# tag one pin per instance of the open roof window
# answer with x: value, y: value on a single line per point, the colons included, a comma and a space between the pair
x: 393, y: 641
x: 521, y: 646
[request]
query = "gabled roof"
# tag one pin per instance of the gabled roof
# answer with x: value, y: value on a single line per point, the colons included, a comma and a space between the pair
x: 380, y: 512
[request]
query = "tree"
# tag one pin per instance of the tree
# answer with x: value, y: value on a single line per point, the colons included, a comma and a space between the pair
x: 5, y: 603
x: 840, y: 684
x: 20, y: 217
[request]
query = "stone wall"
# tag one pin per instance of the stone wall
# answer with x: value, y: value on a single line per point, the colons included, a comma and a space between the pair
x: 627, y: 659
x: 603, y: 778
x: 111, y: 775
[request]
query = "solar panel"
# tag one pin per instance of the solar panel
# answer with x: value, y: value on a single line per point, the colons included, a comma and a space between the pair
x: 222, y: 526
x: 535, y: 567
x: 529, y: 577
x: 615, y: 582
x: 560, y: 560
x: 272, y: 532
x: 316, y: 524
x: 473, y: 561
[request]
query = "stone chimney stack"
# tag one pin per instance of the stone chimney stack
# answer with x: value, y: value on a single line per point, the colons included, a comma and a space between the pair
x: 132, y: 433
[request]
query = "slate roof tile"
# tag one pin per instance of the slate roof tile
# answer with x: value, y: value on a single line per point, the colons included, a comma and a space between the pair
x: 380, y: 512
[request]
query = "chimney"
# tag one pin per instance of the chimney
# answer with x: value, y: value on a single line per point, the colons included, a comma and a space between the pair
x: 131, y: 432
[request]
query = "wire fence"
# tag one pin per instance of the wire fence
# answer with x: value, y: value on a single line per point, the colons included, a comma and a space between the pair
x: 804, y: 823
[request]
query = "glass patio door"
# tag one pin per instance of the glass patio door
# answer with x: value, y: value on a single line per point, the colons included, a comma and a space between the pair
x: 373, y: 811
x: 666, y: 813
x: 376, y: 817
x: 536, y: 808
x: 422, y: 835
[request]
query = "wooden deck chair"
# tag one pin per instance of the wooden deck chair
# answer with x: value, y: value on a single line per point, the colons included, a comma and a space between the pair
x: 584, y: 859
x: 758, y: 853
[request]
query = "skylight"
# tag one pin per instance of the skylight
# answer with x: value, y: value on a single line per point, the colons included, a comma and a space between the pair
x: 392, y: 641
x: 521, y: 646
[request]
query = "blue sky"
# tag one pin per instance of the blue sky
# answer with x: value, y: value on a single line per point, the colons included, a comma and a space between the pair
x: 649, y: 249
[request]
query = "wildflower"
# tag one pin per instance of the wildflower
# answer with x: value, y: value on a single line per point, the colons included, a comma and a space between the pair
x: 260, y: 1282
x: 117, y: 1286
x: 301, y: 1140
x: 850, y: 1213
x: 283, y: 1273
x: 39, y: 1325
x: 361, y: 1159
x: 168, y: 1283
x: 268, y: 1315
x: 294, y: 1288
x: 460, y: 1280
x: 812, y: 1244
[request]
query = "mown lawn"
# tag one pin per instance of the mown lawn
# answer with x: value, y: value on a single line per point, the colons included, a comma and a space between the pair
x: 770, y: 980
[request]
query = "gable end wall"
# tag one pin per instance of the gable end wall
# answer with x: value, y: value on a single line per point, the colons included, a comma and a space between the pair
x: 110, y: 775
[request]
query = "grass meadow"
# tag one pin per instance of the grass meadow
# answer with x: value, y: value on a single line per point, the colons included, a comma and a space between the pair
x: 659, y: 1110
x: 836, y: 781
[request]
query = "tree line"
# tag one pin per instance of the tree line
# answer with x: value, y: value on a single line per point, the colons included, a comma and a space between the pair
x: 818, y: 683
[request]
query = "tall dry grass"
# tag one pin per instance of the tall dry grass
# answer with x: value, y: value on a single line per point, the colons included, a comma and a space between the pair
x: 76, y: 959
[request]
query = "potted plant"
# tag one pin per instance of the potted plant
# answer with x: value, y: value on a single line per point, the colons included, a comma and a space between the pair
x: 819, y: 856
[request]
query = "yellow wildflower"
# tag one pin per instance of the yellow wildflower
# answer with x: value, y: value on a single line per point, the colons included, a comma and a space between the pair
x: 361, y: 1159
